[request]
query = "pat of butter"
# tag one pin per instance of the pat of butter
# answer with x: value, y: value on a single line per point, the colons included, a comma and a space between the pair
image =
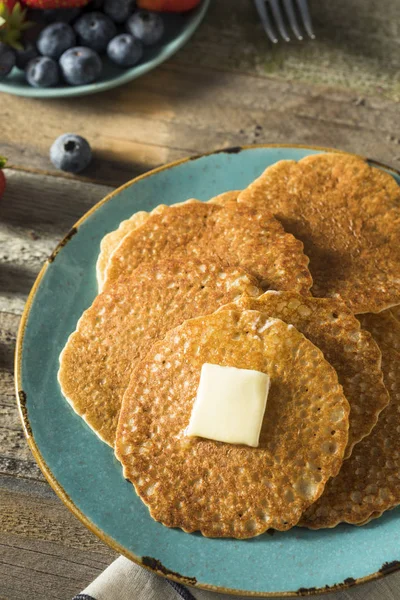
x: 230, y: 405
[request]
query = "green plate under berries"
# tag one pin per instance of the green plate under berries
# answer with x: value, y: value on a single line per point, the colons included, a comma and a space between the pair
x: 178, y: 29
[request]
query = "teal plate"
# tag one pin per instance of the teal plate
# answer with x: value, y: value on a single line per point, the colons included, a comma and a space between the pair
x: 83, y: 470
x: 178, y: 29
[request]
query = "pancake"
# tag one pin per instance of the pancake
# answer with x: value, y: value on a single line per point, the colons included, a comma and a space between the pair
x: 395, y: 310
x: 111, y: 241
x: 125, y: 320
x: 347, y: 214
x: 331, y: 326
x: 369, y: 482
x: 227, y: 490
x: 236, y: 235
x: 372, y: 517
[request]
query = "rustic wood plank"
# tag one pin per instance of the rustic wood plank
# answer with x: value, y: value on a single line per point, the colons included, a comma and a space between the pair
x: 219, y: 110
x: 44, y: 550
x: 35, y: 212
x: 15, y: 457
x: 356, y: 45
x: 228, y: 87
x: 33, y: 511
x: 8, y: 334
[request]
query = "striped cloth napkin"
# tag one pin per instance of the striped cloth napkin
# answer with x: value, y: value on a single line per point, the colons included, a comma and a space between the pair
x: 124, y: 580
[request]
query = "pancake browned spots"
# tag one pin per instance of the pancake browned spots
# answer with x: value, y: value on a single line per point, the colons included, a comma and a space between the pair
x: 374, y: 515
x: 237, y: 235
x: 229, y: 490
x: 347, y: 214
x: 112, y: 240
x: 395, y: 310
x: 125, y: 320
x: 331, y: 326
x: 369, y: 482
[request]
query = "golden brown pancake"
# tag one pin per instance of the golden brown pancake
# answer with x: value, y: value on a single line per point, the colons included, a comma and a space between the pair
x: 369, y: 482
x: 347, y: 214
x: 331, y: 326
x: 236, y: 235
x: 112, y: 240
x: 374, y: 515
x: 395, y: 310
x: 125, y: 320
x: 228, y: 490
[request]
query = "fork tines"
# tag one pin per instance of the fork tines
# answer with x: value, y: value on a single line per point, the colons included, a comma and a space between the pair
x: 273, y: 18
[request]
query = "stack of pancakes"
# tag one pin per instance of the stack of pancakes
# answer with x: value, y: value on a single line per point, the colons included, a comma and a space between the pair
x: 297, y: 276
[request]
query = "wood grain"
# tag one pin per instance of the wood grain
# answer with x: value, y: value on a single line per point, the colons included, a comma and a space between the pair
x: 228, y: 87
x: 44, y: 550
x: 35, y: 213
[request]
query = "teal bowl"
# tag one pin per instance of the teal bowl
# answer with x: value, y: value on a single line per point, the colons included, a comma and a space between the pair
x: 84, y: 472
x: 178, y: 29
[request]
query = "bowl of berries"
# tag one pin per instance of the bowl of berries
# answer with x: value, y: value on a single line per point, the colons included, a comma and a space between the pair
x: 60, y: 48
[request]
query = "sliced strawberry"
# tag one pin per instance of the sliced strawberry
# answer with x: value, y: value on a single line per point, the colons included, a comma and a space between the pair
x: 45, y: 4
x: 168, y: 5
x: 2, y: 176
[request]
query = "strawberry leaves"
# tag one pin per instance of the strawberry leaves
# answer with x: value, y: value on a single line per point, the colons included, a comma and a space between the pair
x: 12, y: 23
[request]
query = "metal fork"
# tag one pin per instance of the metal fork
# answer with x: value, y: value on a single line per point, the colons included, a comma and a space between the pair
x: 270, y: 11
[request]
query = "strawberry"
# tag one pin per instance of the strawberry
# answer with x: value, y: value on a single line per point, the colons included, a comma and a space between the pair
x: 12, y: 23
x: 168, y: 5
x: 45, y: 4
x: 2, y: 176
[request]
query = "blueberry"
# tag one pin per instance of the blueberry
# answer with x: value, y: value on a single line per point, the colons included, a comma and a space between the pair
x: 65, y: 15
x: 42, y: 72
x: 80, y: 65
x: 118, y: 10
x: 95, y: 30
x: 148, y: 27
x: 25, y: 55
x: 56, y: 39
x: 124, y: 50
x: 7, y: 60
x: 70, y: 153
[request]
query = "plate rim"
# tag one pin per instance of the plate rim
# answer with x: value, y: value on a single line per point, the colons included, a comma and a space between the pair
x: 23, y: 413
x: 125, y: 77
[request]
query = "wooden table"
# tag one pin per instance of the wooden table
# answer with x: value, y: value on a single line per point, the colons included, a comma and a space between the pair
x: 227, y: 87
